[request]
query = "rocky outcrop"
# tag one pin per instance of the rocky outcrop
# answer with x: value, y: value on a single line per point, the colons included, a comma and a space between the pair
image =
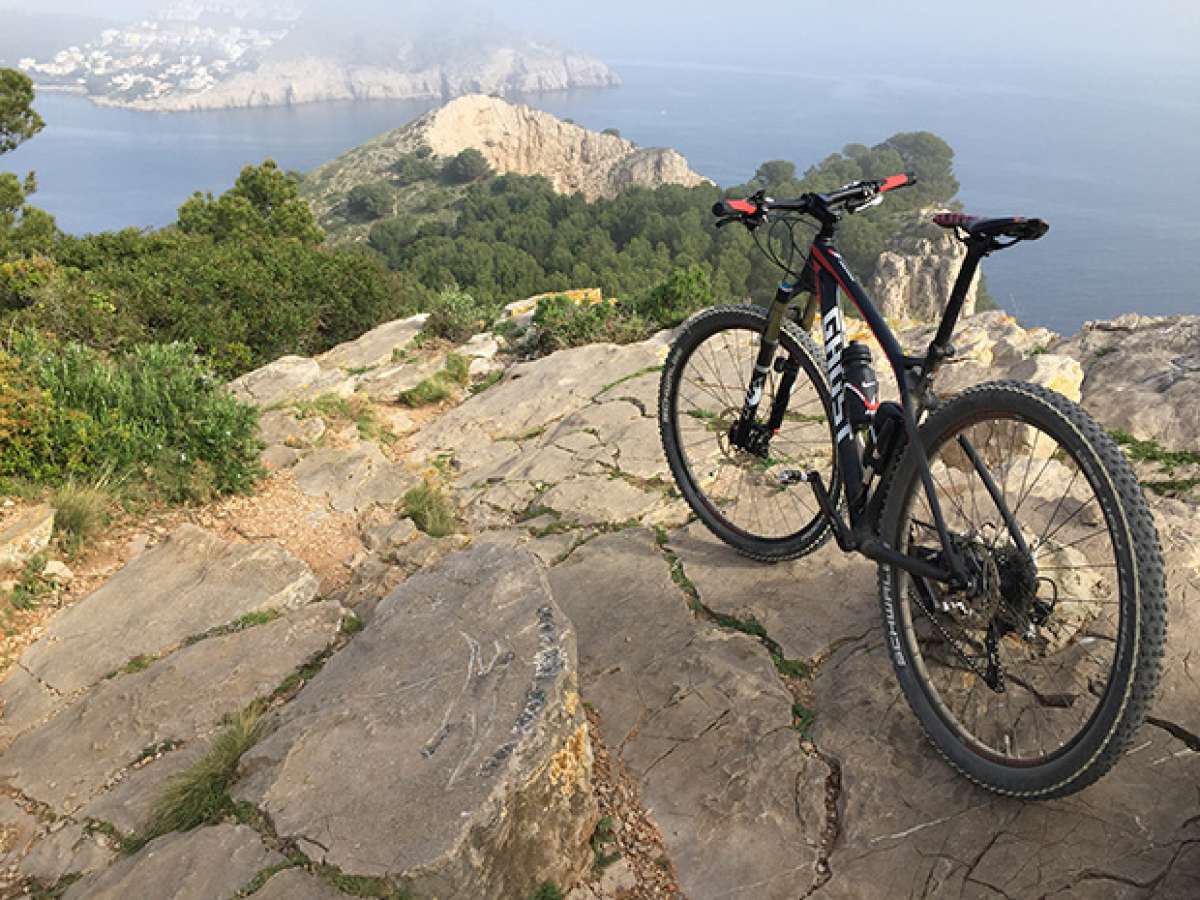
x: 443, y: 740
x: 513, y: 138
x: 915, y: 273
x: 24, y: 534
x: 530, y: 68
x: 479, y: 766
x: 1142, y: 375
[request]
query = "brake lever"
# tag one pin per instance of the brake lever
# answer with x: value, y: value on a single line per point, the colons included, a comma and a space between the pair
x: 852, y: 208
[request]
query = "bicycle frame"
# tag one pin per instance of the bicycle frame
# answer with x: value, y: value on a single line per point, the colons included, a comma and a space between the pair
x: 824, y: 274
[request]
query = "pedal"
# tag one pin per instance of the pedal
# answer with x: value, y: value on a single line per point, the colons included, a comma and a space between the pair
x: 788, y: 477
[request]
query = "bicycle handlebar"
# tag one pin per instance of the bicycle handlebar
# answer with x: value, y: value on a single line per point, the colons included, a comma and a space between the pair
x: 753, y: 210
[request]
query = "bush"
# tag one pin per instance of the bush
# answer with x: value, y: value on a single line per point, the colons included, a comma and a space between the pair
x: 562, y: 323
x: 410, y: 168
x: 371, y: 201
x: 467, y: 166
x: 673, y: 299
x: 614, y: 132
x: 154, y: 414
x: 390, y: 236
x: 455, y: 316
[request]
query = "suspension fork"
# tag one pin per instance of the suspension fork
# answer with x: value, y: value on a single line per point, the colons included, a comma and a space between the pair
x: 762, y: 368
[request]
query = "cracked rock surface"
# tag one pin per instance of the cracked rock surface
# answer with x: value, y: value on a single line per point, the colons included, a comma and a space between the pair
x: 476, y: 778
x: 444, y: 749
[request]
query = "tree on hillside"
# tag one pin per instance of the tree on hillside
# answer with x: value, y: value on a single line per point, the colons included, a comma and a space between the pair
x: 371, y: 201
x: 264, y: 202
x: 468, y: 166
x: 18, y: 121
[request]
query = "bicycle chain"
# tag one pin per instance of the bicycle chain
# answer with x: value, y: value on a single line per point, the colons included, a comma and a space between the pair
x: 951, y: 641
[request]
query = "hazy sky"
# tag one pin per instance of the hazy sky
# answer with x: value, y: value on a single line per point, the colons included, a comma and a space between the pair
x: 1013, y: 39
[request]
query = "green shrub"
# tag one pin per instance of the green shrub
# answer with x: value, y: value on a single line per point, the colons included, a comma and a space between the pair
x: 371, y: 201
x: 458, y: 368
x: 469, y: 165
x: 455, y: 316
x: 155, y: 414
x: 562, y: 323
x: 413, y: 167
x: 676, y: 297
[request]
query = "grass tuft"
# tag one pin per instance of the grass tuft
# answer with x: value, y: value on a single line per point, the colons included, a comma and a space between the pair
x: 547, y: 891
x: 1152, y: 451
x: 200, y: 794
x: 431, y: 509
x: 457, y: 368
x: 80, y: 512
x: 425, y: 393
x: 488, y: 382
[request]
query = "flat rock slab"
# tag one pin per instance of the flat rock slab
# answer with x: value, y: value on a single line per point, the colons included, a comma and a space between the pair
x: 699, y: 717
x: 909, y: 822
x: 207, y: 864
x: 190, y: 583
x: 296, y: 884
x: 375, y: 347
x: 25, y: 535
x: 807, y: 605
x: 182, y: 697
x: 457, y: 707
x: 1141, y: 375
x: 353, y: 479
x: 536, y: 394
x: 287, y: 380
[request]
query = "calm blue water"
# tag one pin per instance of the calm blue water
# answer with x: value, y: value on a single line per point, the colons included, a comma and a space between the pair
x: 1113, y: 174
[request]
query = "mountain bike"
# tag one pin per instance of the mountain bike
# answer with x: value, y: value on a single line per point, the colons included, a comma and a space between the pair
x: 1020, y: 576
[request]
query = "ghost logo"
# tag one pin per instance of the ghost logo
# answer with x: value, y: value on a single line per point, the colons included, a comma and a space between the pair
x: 835, y: 330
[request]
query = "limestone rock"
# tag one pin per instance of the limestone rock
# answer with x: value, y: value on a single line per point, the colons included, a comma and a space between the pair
x: 285, y: 379
x: 914, y: 276
x: 376, y: 347
x: 212, y: 862
x: 512, y: 138
x: 68, y: 761
x: 522, y: 69
x: 459, y: 699
x: 296, y: 884
x: 25, y: 535
x: 282, y: 426
x: 67, y: 850
x: 190, y: 583
x: 1142, y: 375
x: 353, y: 479
x: 700, y: 719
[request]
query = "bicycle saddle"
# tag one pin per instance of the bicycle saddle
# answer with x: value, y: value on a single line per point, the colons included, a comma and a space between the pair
x: 1012, y: 226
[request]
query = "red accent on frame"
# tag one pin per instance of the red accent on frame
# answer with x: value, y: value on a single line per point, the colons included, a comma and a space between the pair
x: 829, y: 268
x: 892, y: 182
x: 743, y: 206
x: 953, y: 220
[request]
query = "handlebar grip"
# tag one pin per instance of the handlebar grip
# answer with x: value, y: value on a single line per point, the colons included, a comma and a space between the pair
x: 897, y: 181
x: 724, y: 208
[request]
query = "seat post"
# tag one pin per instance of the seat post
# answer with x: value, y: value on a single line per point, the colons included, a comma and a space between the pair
x: 977, y: 249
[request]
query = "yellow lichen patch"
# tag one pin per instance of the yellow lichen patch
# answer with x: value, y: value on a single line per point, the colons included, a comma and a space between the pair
x: 570, y: 702
x: 571, y: 766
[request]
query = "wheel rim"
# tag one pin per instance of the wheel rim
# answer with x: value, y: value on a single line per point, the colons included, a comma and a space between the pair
x: 742, y: 490
x: 1057, y: 672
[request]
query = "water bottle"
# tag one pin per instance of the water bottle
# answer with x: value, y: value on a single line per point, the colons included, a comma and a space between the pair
x: 862, y: 387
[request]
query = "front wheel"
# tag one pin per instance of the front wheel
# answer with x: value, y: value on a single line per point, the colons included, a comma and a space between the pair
x: 751, y: 497
x: 1033, y: 681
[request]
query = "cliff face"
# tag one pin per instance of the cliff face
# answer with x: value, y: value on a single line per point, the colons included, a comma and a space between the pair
x: 504, y: 71
x: 513, y: 138
x: 914, y: 276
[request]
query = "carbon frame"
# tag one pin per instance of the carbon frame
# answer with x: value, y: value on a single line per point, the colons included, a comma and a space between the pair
x: 825, y: 273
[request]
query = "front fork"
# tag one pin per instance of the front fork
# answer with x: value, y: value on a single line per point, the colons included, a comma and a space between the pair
x: 742, y: 433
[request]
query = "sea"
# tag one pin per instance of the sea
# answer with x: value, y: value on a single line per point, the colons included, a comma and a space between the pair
x: 1113, y: 173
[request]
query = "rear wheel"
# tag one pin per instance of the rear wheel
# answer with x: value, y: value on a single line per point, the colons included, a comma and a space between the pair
x: 749, y: 499
x: 1033, y: 682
